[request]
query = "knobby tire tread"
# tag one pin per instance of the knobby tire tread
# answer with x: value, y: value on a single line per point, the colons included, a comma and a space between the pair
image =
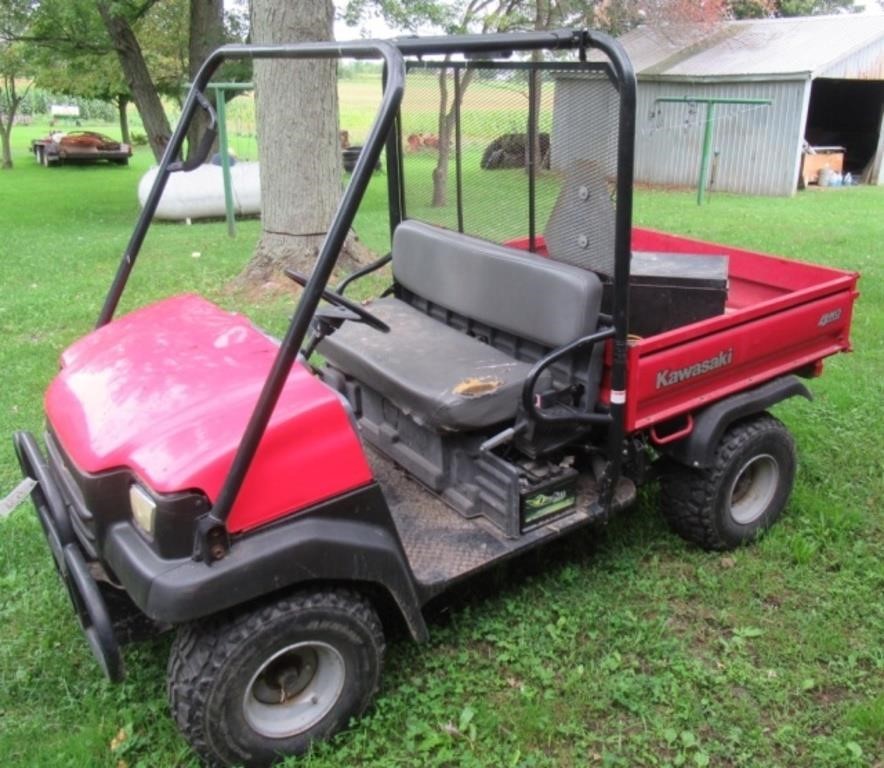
x: 201, y: 648
x: 688, y: 495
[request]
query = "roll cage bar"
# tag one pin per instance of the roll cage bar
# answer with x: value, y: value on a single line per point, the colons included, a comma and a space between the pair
x: 212, y: 540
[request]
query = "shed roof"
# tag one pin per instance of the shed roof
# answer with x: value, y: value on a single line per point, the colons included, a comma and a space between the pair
x: 778, y: 48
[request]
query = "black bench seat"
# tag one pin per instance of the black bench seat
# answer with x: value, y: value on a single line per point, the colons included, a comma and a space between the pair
x: 441, y: 376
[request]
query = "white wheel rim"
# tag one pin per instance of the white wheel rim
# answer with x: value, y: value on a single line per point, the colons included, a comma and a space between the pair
x: 294, y: 689
x: 753, y: 488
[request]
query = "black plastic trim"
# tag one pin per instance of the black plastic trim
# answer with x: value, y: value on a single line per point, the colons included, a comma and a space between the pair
x: 351, y: 538
x: 698, y: 448
x: 97, y: 501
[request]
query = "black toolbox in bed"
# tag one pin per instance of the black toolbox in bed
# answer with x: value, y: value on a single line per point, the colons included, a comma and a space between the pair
x: 667, y: 290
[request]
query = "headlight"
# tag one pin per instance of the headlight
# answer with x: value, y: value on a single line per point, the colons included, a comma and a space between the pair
x: 144, y: 508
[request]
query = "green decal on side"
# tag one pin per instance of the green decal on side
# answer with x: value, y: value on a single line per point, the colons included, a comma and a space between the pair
x: 543, y: 504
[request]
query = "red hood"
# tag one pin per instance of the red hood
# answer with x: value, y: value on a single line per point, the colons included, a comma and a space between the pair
x: 167, y: 391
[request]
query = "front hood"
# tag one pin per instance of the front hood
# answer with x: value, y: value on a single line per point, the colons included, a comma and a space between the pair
x: 167, y: 390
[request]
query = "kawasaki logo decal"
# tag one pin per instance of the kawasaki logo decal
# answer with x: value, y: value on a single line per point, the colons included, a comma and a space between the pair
x: 829, y: 317
x: 667, y: 378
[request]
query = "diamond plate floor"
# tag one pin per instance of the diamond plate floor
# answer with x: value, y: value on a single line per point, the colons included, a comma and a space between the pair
x: 443, y: 546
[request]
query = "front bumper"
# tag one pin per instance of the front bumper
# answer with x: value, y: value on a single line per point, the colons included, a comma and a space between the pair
x: 350, y: 538
x: 70, y: 558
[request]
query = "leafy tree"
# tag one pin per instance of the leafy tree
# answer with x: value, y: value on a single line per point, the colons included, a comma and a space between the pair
x: 760, y: 9
x: 157, y: 46
x: 90, y: 76
x: 812, y: 7
x: 14, y: 68
x: 118, y: 17
x: 477, y: 15
x: 76, y: 28
x: 751, y: 9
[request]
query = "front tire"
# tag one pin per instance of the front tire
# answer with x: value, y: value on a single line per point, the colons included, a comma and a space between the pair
x: 266, y: 683
x: 741, y: 494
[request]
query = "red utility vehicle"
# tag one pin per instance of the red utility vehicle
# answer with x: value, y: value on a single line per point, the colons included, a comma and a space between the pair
x: 202, y: 475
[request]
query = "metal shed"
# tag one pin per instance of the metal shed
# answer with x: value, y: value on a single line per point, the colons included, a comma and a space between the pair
x: 823, y: 76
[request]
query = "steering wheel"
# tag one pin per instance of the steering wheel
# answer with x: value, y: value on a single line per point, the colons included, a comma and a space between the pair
x: 357, y: 311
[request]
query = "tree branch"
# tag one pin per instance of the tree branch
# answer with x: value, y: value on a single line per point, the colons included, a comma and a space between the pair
x: 51, y: 41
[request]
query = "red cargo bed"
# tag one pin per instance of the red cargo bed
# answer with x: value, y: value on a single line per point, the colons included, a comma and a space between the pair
x: 781, y: 316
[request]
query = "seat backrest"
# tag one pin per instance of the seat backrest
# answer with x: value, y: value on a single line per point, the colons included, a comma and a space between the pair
x: 515, y: 291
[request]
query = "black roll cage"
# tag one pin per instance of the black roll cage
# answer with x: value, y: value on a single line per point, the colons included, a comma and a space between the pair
x: 211, y: 539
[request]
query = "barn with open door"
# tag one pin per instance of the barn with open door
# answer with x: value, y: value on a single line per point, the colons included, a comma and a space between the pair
x: 789, y: 97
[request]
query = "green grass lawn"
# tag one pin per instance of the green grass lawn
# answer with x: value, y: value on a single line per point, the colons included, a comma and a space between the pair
x: 618, y: 648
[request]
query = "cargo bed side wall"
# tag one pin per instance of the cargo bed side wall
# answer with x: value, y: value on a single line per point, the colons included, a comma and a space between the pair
x: 689, y: 376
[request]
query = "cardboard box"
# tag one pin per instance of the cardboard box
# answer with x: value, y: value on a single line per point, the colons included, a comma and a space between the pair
x: 820, y: 157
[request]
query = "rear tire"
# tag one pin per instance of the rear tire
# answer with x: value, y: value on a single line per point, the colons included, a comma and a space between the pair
x: 266, y: 683
x: 741, y: 494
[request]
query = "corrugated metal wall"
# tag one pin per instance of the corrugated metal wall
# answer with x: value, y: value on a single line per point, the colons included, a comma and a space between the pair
x: 759, y: 147
x: 866, y: 64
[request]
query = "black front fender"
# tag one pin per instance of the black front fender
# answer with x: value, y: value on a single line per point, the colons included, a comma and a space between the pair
x: 350, y: 539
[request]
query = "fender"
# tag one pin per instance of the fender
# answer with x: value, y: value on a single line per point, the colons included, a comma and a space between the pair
x: 698, y: 448
x: 350, y: 539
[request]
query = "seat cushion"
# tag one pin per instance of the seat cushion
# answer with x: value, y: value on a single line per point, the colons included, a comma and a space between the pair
x: 511, y: 290
x: 443, y: 378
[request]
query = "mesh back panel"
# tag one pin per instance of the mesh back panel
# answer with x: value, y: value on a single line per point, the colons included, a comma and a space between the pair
x: 573, y: 148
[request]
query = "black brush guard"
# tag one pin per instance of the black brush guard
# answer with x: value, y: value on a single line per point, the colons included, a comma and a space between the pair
x: 69, y: 557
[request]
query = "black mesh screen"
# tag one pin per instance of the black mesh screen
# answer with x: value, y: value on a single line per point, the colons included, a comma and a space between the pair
x: 470, y: 138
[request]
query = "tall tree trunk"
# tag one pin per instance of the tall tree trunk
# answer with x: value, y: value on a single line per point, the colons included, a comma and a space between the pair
x: 5, y: 140
x: 206, y: 34
x: 446, y: 127
x: 297, y: 120
x: 144, y: 92
x: 13, y: 99
x: 122, y: 107
x: 440, y: 172
x: 494, y: 21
